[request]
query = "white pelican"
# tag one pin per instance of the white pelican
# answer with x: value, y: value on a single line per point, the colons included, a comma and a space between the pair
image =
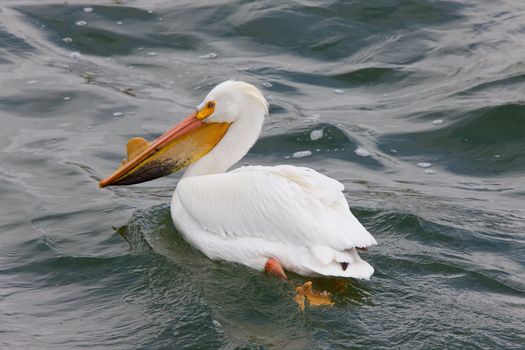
x: 267, y: 218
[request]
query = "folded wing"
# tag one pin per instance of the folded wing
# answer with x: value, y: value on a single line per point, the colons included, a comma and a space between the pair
x: 284, y: 204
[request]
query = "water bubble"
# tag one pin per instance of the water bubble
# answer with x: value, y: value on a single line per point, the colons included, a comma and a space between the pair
x: 497, y: 156
x: 209, y: 56
x: 152, y: 54
x: 318, y: 150
x: 385, y: 95
x: 117, y: 114
x: 140, y: 48
x: 88, y: 9
x: 67, y: 98
x: 338, y: 91
x: 75, y: 54
x: 393, y: 151
x: 31, y: 82
x: 429, y: 171
x: 267, y: 84
x: 150, y: 11
x: 302, y: 154
x: 424, y: 165
x: 437, y: 122
x: 360, y: 151
x: 316, y: 134
x: 81, y: 23
x: 287, y: 157
x: 90, y: 127
x: 119, y: 22
x: 67, y: 40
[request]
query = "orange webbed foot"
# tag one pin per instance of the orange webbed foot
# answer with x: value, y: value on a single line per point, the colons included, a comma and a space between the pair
x: 315, y: 298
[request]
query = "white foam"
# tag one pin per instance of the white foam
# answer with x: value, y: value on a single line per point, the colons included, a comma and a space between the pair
x: 302, y: 154
x: 209, y: 56
x: 424, y: 165
x: 316, y: 134
x: 360, y: 151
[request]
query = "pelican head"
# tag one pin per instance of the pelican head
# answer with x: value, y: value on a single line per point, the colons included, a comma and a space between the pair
x: 224, y: 126
x: 229, y: 101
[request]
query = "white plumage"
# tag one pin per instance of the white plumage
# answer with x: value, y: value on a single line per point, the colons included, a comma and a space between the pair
x: 293, y: 214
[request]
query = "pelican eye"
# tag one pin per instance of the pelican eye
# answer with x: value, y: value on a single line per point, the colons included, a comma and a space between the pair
x: 206, y: 111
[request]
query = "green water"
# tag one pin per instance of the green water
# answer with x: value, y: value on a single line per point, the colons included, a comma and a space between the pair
x: 404, y: 82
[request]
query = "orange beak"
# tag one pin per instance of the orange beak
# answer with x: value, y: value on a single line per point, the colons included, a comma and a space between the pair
x: 185, y: 143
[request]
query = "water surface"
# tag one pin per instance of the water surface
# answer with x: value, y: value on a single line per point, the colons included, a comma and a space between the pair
x: 389, y: 86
